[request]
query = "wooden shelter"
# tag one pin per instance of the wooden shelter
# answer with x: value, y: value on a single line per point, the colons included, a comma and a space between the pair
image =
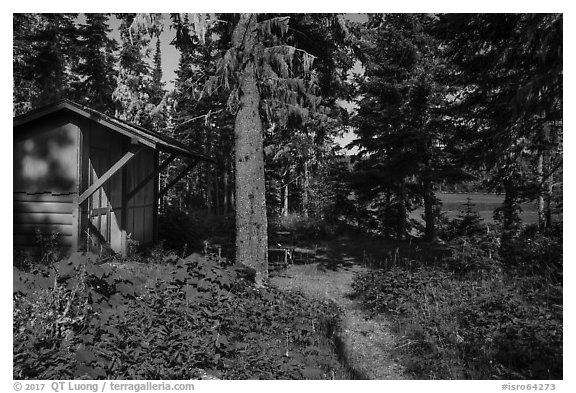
x: 86, y: 175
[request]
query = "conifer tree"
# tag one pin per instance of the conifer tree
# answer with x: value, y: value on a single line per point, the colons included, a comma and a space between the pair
x: 203, y: 120
x: 402, y: 140
x: 95, y: 68
x: 132, y: 93
x: 24, y: 53
x: 508, y: 69
x: 157, y: 89
x: 44, y: 53
x: 296, y: 146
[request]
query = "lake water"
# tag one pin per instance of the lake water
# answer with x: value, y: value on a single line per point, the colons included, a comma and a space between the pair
x: 453, y: 204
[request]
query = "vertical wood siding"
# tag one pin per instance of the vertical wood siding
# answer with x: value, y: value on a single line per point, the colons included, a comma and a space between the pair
x: 104, y: 207
x: 141, y: 206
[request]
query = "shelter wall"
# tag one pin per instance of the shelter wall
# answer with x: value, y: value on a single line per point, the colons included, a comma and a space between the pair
x: 45, y: 170
x: 101, y: 214
x: 104, y: 148
x: 142, y: 206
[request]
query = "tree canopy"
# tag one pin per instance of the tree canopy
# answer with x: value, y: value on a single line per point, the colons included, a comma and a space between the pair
x: 442, y: 100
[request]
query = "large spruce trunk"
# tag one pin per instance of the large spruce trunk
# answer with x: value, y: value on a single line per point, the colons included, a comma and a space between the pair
x: 251, y: 222
x: 305, y: 186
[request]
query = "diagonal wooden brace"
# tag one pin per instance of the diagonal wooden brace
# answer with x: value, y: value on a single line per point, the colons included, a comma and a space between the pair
x: 177, y: 178
x: 109, y: 173
x: 151, y: 176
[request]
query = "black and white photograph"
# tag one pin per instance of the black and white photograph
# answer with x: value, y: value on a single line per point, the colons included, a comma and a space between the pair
x: 287, y: 196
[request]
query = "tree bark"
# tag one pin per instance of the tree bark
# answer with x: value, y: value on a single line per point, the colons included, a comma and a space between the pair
x: 285, y: 201
x: 209, y: 193
x: 226, y: 190
x: 386, y: 219
x: 430, y: 231
x: 217, y: 200
x: 305, y: 186
x: 251, y: 221
x: 402, y: 214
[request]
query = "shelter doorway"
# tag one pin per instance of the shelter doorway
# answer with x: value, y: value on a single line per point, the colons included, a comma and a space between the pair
x: 99, y: 207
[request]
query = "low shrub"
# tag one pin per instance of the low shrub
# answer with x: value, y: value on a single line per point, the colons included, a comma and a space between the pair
x: 474, y: 316
x: 535, y: 253
x: 47, y: 250
x: 475, y: 256
x: 80, y: 319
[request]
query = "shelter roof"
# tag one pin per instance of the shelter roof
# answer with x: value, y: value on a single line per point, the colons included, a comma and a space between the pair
x: 146, y: 137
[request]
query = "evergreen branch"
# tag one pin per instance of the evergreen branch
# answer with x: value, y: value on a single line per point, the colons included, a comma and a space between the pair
x: 291, y: 47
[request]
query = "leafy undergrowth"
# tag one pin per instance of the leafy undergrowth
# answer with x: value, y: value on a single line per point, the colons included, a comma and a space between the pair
x: 470, y: 320
x: 81, y: 319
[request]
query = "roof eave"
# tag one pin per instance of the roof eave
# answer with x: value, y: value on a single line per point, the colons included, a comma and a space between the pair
x: 135, y: 133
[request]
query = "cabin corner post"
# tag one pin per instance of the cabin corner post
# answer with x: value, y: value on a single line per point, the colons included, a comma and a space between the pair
x: 76, y: 223
x: 76, y: 205
x: 124, y: 214
x: 156, y: 200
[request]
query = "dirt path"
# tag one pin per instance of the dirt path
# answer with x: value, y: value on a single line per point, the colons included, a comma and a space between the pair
x: 366, y: 344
